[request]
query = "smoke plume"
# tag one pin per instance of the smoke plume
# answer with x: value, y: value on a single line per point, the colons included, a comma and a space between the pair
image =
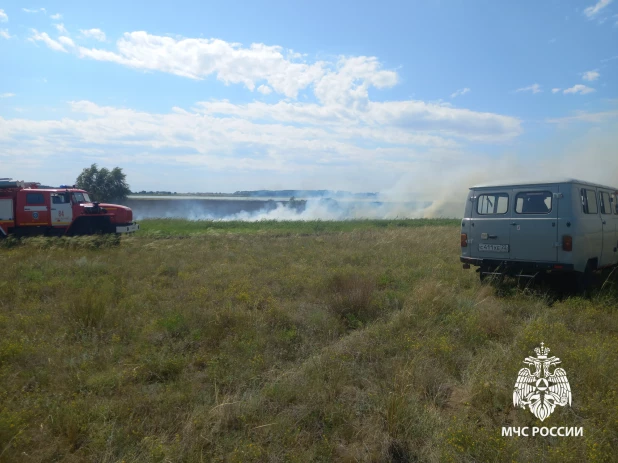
x: 422, y: 192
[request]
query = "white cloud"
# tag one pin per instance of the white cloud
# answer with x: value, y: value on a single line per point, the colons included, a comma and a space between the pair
x: 342, y: 123
x: 460, y: 92
x: 96, y: 34
x: 4, y: 33
x: 348, y: 82
x: 66, y: 41
x: 402, y: 121
x: 3, y: 17
x: 591, y: 76
x: 579, y: 88
x: 344, y: 81
x: 6, y: 95
x: 534, y: 88
x: 555, y: 90
x: 61, y: 29
x: 593, y: 10
x: 259, y: 136
x: 585, y: 116
x: 56, y: 16
x: 47, y: 40
x: 197, y: 138
x: 33, y: 10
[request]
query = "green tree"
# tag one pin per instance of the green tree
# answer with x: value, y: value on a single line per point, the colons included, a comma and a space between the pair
x: 104, y: 185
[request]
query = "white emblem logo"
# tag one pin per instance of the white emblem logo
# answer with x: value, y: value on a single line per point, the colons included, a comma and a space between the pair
x: 541, y: 390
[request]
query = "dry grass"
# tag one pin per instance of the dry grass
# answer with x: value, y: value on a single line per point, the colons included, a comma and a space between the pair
x: 366, y: 345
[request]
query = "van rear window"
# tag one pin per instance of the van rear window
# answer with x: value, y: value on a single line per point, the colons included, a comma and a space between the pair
x: 533, y: 202
x: 589, y: 201
x: 492, y: 204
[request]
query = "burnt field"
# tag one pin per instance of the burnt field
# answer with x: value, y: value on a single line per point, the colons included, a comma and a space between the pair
x: 287, y: 341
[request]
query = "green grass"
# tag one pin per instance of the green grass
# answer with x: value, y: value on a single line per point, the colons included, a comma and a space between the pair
x: 362, y: 341
x: 176, y: 227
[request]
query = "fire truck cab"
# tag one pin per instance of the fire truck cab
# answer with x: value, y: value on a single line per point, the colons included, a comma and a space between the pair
x: 26, y: 209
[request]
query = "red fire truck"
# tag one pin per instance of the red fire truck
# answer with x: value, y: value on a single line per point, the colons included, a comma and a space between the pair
x: 27, y: 210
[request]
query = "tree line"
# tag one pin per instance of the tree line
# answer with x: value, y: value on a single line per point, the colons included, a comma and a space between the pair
x: 104, y: 185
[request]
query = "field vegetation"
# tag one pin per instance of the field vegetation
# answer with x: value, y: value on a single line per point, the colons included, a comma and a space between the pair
x: 177, y: 227
x: 287, y: 342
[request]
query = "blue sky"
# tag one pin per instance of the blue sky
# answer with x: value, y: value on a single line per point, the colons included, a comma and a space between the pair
x: 223, y: 96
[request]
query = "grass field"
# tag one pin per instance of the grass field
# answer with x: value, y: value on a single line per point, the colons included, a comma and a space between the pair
x: 287, y: 342
x: 178, y: 227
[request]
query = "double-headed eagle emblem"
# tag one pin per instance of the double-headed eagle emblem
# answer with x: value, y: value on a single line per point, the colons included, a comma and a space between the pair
x: 541, y: 390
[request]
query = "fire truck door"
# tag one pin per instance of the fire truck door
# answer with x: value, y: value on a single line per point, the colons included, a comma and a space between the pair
x: 61, y: 211
x: 36, y: 209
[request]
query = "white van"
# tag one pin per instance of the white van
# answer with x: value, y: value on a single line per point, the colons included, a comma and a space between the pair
x: 526, y: 229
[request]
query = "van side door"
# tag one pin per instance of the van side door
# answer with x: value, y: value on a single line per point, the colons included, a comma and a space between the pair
x: 590, y: 225
x: 489, y: 232
x: 608, y: 254
x: 615, y: 210
x: 534, y: 228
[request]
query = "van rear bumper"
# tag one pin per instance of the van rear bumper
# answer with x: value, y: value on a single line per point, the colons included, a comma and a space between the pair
x: 512, y: 267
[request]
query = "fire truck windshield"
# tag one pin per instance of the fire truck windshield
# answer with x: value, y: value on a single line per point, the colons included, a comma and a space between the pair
x: 81, y: 198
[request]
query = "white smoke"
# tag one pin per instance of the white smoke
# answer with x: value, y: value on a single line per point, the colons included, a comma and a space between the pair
x: 314, y: 209
x: 428, y: 191
x: 593, y: 158
x: 318, y: 209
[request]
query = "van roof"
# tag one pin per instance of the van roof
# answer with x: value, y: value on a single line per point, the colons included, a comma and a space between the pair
x: 541, y: 182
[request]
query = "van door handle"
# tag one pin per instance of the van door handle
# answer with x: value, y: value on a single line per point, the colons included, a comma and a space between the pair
x: 604, y: 222
x: 492, y: 237
x: 513, y: 223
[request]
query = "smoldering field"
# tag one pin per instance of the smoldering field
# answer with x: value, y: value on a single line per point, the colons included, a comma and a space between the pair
x: 286, y: 342
x: 255, y: 209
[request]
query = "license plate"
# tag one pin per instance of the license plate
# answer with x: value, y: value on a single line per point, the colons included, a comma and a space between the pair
x: 494, y: 247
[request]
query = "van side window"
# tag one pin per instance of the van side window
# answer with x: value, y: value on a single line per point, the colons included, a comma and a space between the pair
x: 533, y: 202
x: 492, y: 204
x: 589, y: 201
x: 35, y: 198
x: 606, y: 205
